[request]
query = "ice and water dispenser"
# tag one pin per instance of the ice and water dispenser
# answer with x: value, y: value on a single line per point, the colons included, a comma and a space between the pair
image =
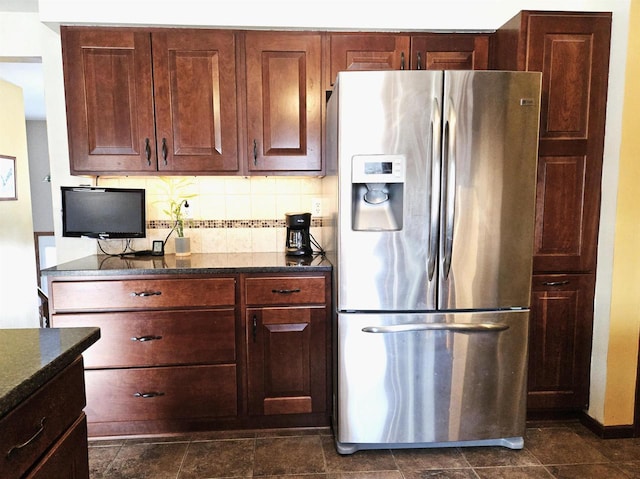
x: 377, y: 185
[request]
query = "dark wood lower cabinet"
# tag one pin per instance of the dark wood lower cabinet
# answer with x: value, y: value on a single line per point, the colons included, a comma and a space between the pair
x: 284, y: 357
x: 201, y: 352
x: 45, y: 437
x: 288, y: 347
x: 178, y: 392
x: 560, y: 341
x: 69, y: 457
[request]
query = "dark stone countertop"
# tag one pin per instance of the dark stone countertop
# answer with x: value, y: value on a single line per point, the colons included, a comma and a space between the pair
x: 196, y: 263
x: 31, y: 357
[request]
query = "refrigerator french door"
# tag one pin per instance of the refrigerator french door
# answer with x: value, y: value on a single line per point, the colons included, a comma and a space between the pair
x: 436, y: 177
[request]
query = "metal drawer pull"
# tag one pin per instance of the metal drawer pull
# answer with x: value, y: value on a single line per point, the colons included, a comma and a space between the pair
x: 285, y: 291
x: 147, y: 151
x: 143, y: 294
x: 254, y: 328
x: 28, y: 441
x: 150, y: 394
x: 144, y: 339
x: 456, y: 327
x: 165, y: 150
x: 255, y: 153
x: 556, y: 283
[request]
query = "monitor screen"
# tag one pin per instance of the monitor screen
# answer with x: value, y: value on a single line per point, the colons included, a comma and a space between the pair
x: 96, y: 212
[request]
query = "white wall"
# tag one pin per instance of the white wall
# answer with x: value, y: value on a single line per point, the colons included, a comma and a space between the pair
x: 352, y: 14
x: 38, y: 148
x: 18, y: 283
x: 322, y: 14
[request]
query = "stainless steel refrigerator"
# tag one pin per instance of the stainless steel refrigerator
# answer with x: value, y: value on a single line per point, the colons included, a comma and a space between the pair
x: 434, y: 177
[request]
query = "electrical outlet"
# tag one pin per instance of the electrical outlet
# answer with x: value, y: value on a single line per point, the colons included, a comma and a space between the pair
x: 316, y: 207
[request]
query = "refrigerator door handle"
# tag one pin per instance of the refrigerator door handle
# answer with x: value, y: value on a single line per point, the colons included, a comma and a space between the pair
x: 435, y: 163
x: 449, y: 187
x: 454, y: 327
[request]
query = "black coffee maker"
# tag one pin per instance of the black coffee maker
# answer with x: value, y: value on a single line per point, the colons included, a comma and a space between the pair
x: 298, y: 236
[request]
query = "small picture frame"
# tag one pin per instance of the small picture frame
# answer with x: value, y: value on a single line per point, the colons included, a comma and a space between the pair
x: 8, y: 178
x: 158, y: 248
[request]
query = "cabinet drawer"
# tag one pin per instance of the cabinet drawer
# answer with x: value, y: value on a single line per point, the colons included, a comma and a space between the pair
x: 31, y: 428
x: 157, y: 338
x: 141, y: 294
x: 285, y: 290
x: 161, y: 393
x: 68, y: 458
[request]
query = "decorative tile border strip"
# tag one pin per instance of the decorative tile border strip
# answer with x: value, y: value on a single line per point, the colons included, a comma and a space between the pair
x: 206, y: 224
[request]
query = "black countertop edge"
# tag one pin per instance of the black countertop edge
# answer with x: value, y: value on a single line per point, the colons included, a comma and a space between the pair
x: 197, y: 263
x: 23, y: 373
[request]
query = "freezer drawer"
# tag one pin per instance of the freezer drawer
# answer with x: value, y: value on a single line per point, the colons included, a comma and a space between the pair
x: 431, y: 380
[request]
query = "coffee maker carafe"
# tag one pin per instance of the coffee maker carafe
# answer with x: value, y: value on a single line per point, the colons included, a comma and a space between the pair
x: 298, y: 236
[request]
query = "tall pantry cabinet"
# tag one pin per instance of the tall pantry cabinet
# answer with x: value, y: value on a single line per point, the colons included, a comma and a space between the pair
x: 571, y: 50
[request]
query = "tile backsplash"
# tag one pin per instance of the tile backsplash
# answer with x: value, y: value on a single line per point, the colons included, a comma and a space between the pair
x: 229, y: 214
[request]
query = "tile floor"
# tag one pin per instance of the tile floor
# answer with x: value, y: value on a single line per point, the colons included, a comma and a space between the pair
x: 562, y: 451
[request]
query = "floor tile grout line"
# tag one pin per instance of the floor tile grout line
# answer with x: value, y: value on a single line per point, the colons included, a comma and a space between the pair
x: 184, y: 457
x: 324, y: 456
x: 464, y: 457
x: 253, y: 455
x: 475, y: 473
x: 113, y: 459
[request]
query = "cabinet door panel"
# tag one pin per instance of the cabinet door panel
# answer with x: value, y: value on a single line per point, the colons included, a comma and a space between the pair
x: 572, y: 52
x: 441, y: 51
x: 368, y: 52
x: 108, y: 80
x: 286, y: 360
x: 566, y: 111
x: 560, y: 341
x: 561, y: 224
x: 195, y: 98
x: 283, y: 102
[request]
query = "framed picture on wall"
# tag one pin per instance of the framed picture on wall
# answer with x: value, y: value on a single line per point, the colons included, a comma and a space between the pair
x: 8, y: 178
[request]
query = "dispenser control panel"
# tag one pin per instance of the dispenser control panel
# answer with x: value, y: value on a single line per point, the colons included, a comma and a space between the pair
x: 378, y: 169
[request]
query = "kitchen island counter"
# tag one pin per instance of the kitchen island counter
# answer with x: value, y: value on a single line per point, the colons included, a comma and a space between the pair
x: 31, y: 357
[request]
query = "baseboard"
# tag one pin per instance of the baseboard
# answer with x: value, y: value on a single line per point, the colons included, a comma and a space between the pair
x: 542, y: 416
x: 606, y: 432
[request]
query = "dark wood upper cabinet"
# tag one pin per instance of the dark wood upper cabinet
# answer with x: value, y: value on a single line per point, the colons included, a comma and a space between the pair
x: 449, y: 51
x: 367, y: 51
x: 205, y: 101
x: 572, y: 52
x: 109, y: 96
x: 392, y: 51
x: 283, y: 102
x: 133, y: 112
x: 195, y: 99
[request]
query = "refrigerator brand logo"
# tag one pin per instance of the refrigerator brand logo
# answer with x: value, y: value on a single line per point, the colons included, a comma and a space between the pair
x: 527, y: 102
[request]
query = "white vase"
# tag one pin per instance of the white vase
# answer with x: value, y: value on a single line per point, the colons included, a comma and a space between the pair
x: 183, y: 246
